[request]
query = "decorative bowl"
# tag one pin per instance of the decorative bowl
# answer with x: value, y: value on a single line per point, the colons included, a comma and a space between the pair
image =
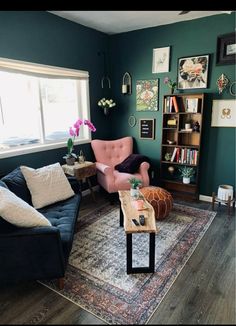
x: 171, y: 142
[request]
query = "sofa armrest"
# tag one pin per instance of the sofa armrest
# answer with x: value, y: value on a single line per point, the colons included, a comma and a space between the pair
x: 143, y: 170
x: 31, y: 254
x: 74, y: 184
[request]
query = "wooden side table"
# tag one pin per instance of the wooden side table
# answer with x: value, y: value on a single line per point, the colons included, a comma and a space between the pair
x: 229, y: 202
x: 82, y: 171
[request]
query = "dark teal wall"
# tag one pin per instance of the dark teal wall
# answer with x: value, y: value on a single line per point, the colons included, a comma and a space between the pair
x: 132, y: 52
x: 44, y: 38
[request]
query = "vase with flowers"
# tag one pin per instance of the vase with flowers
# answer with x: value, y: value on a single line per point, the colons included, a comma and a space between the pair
x: 171, y: 84
x: 71, y: 157
x: 106, y: 105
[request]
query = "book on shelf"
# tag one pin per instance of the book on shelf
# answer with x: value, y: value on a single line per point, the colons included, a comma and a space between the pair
x: 187, y: 130
x: 174, y: 100
x: 191, y: 105
x: 173, y: 155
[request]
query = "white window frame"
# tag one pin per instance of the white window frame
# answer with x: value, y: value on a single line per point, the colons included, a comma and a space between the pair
x: 40, y: 70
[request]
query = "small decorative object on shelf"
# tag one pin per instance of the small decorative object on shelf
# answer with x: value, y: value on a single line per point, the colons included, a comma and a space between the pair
x: 171, y: 169
x: 222, y: 83
x: 186, y: 173
x: 196, y: 126
x: 168, y: 156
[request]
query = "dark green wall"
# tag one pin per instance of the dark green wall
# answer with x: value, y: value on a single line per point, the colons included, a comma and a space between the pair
x: 44, y: 38
x: 132, y: 52
x: 41, y: 37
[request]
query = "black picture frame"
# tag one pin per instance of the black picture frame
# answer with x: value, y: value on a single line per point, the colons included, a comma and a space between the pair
x: 147, y: 129
x: 226, y: 49
x: 193, y: 72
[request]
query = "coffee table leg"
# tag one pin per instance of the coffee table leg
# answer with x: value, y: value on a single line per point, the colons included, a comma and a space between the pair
x: 152, y: 252
x: 129, y: 253
x: 121, y: 217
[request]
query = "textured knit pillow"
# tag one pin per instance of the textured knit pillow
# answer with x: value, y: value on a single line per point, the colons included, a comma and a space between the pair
x: 47, y: 185
x: 16, y: 211
x: 132, y: 163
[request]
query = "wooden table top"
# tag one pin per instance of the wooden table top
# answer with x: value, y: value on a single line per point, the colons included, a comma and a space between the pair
x: 129, y: 212
x: 80, y: 170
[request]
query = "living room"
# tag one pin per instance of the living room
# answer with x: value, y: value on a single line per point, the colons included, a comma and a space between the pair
x: 44, y: 38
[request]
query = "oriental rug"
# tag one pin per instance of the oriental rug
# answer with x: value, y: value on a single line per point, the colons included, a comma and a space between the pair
x: 96, y: 277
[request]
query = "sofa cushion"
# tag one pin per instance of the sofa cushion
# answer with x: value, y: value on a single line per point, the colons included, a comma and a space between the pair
x: 63, y: 215
x: 47, y: 185
x: 132, y: 163
x: 16, y: 211
x: 15, y: 181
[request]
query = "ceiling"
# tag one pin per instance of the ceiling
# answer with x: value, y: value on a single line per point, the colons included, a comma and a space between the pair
x: 113, y: 22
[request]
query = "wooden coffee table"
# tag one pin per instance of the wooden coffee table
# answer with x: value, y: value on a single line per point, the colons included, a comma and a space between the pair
x: 127, y: 212
x: 82, y: 171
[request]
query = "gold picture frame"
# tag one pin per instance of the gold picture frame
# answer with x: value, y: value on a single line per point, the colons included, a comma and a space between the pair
x: 223, y: 113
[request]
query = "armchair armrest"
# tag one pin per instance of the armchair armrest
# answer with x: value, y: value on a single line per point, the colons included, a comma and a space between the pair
x: 143, y: 170
x: 105, y: 169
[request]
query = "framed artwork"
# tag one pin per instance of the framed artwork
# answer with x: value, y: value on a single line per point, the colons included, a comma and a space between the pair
x: 226, y: 49
x: 146, y: 128
x: 147, y: 95
x: 223, y: 113
x: 193, y: 72
x: 160, y: 60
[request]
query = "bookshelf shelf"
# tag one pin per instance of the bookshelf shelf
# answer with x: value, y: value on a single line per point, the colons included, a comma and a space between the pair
x: 181, y: 124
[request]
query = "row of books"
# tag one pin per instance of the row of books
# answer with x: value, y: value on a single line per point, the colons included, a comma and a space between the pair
x: 184, y: 155
x: 171, y: 104
x: 179, y: 104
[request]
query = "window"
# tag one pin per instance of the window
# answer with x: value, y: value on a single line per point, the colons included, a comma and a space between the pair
x: 38, y: 104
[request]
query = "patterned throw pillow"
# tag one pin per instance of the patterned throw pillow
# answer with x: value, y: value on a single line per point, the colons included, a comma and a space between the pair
x: 47, y: 185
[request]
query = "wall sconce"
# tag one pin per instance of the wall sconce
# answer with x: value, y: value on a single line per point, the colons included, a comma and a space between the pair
x: 107, y: 79
x: 126, y: 84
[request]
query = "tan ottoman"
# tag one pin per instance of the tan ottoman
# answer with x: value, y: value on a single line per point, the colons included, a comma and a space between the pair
x: 160, y: 199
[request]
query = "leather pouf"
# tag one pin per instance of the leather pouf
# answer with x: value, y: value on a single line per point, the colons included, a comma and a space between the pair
x: 160, y: 199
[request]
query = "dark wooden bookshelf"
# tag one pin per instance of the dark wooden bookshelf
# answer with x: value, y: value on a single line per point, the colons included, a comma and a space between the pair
x: 183, y: 145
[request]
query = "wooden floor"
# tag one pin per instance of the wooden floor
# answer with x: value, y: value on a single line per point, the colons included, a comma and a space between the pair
x: 203, y: 293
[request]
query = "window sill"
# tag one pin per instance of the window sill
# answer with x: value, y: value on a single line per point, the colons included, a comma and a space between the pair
x: 39, y: 148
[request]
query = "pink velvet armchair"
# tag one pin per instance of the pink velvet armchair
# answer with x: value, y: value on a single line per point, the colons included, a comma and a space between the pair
x: 108, y: 154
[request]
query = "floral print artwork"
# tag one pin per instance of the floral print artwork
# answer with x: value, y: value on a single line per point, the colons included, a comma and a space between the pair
x: 193, y: 72
x: 147, y: 95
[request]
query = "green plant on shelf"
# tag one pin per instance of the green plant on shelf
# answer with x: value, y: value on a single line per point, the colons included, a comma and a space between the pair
x: 186, y: 172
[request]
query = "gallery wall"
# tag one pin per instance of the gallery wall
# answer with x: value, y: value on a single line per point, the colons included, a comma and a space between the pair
x: 132, y: 52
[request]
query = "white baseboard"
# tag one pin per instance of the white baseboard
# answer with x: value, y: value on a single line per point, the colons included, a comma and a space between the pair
x: 87, y: 191
x: 205, y: 198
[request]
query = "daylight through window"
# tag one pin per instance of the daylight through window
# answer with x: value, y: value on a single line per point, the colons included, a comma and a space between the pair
x: 37, y: 108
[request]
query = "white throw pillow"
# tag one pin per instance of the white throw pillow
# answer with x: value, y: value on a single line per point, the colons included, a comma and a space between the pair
x: 47, y: 185
x: 16, y: 211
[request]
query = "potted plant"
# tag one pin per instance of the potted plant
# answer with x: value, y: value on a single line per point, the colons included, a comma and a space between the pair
x: 186, y: 172
x: 134, y: 183
x: 71, y: 157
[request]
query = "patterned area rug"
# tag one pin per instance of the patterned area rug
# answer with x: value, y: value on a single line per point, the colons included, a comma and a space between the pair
x: 96, y: 278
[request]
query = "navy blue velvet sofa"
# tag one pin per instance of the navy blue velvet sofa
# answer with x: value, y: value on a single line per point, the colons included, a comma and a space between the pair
x: 38, y: 253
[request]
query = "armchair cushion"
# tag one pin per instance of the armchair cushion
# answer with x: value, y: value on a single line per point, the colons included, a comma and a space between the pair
x: 16, y: 211
x: 132, y: 163
x: 47, y: 185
